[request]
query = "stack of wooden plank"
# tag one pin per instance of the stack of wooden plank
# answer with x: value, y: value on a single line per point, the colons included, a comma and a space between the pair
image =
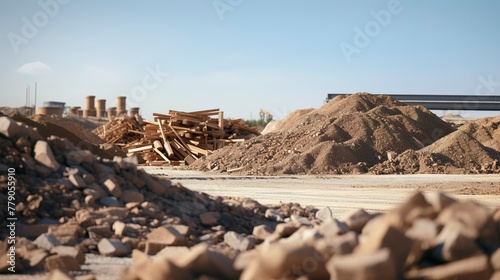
x: 183, y: 137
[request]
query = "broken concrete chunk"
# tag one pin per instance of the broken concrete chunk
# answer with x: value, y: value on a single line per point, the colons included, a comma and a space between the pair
x: 44, y: 155
x: 357, y: 219
x: 471, y: 268
x: 210, y: 218
x: 261, y: 232
x: 324, y: 214
x: 370, y: 266
x: 71, y: 251
x: 62, y: 262
x: 238, y: 241
x: 47, y: 241
x: 113, y: 248
x: 275, y: 215
x: 132, y: 196
x: 168, y: 235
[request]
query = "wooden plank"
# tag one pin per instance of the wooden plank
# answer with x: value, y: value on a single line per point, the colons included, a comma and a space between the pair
x: 140, y: 149
x: 180, y: 139
x: 190, y: 159
x: 166, y: 144
x: 205, y: 112
x: 162, y: 155
x: 197, y: 150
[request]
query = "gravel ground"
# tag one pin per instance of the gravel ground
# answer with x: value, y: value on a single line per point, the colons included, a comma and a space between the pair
x: 342, y: 193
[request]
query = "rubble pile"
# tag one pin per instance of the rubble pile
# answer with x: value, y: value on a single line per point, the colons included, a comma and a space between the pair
x: 349, y: 134
x: 435, y: 238
x: 176, y: 138
x: 473, y: 148
x: 69, y: 202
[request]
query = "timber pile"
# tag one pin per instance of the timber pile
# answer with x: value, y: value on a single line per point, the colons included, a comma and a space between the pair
x: 183, y: 137
x: 121, y: 130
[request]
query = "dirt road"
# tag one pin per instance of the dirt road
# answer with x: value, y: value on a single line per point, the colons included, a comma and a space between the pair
x: 341, y: 193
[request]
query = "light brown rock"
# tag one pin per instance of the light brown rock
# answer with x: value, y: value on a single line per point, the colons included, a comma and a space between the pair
x: 113, y: 248
x: 357, y: 219
x: 472, y: 268
x: 71, y: 251
x: 365, y: 266
x: 132, y: 196
x: 45, y: 156
x: 210, y: 218
x: 62, y: 262
x: 168, y: 235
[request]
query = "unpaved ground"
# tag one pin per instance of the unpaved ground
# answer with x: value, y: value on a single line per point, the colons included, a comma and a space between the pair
x: 341, y: 193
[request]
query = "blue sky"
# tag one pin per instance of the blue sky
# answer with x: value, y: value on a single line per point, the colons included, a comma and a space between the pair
x: 241, y: 55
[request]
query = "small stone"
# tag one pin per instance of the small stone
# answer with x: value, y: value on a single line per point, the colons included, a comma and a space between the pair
x: 373, y: 265
x: 384, y: 235
x: 202, y: 261
x: 44, y: 155
x: 46, y: 241
x: 261, y: 232
x: 470, y: 268
x: 113, y: 248
x: 209, y: 218
x: 131, y: 196
x: 110, y: 201
x: 168, y: 235
x: 9, y: 128
x: 286, y: 229
x: 324, y: 214
x: 58, y: 274
x: 112, y: 186
x: 62, y: 262
x: 357, y: 219
x: 77, y: 181
x: 238, y: 241
x: 275, y: 215
x: 69, y: 251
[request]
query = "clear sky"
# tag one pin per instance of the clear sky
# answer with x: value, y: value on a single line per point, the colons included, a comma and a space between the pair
x: 242, y: 55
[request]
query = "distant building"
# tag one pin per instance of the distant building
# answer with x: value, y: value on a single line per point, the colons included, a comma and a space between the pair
x: 52, y: 108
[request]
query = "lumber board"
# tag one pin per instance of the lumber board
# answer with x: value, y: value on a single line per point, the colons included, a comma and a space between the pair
x: 162, y: 155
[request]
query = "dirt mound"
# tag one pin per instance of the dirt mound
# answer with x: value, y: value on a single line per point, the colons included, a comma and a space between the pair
x: 286, y: 122
x: 70, y: 125
x: 48, y: 126
x: 473, y: 148
x: 347, y: 135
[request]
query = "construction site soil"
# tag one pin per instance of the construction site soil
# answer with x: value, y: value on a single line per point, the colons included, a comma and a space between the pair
x: 70, y: 200
x: 363, y: 133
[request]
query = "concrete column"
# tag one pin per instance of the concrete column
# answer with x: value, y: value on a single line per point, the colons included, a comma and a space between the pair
x: 134, y: 111
x: 101, y: 108
x: 121, y: 105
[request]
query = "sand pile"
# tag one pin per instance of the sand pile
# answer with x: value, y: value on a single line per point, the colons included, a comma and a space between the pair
x: 289, y: 120
x: 347, y: 135
x: 473, y: 148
